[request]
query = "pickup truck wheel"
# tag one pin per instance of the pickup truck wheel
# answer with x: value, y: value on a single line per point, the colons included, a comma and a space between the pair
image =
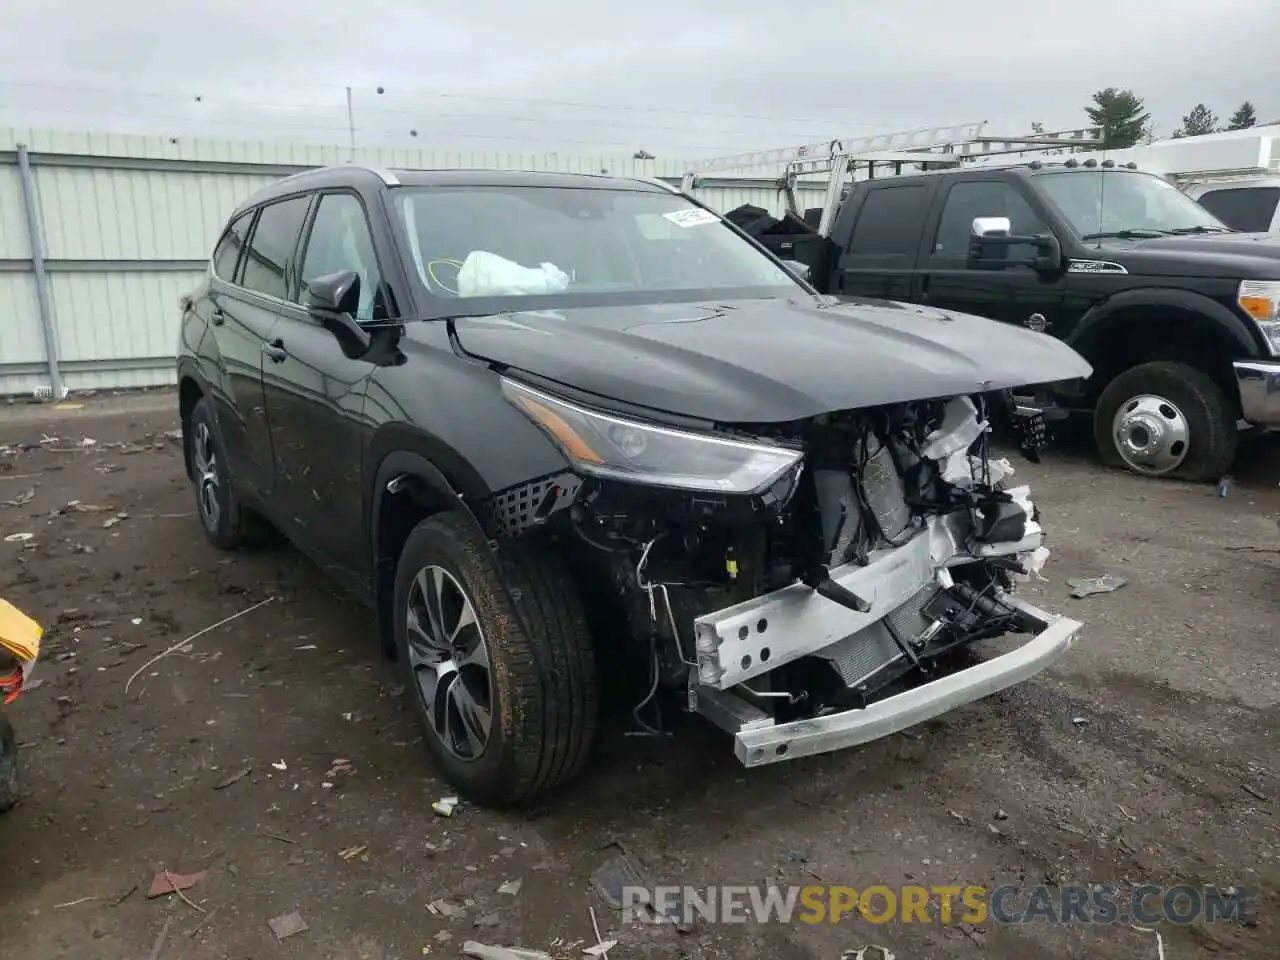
x: 8, y: 766
x: 507, y: 714
x: 1166, y: 419
x: 226, y: 523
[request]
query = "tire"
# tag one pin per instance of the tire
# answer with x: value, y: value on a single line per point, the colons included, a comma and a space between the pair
x: 8, y: 765
x: 226, y: 522
x: 1158, y: 404
x: 541, y: 686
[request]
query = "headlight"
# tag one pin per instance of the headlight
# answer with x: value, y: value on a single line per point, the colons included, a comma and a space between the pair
x: 1260, y: 299
x: 609, y: 446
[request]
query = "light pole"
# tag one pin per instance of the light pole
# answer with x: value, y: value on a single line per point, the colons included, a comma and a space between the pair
x: 351, y: 126
x: 351, y: 122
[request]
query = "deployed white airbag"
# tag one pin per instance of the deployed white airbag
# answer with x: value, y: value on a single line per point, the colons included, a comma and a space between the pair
x: 485, y: 274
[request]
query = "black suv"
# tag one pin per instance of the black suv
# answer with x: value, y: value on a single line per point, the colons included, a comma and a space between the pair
x: 543, y: 423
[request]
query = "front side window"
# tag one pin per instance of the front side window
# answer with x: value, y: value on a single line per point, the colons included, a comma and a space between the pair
x: 984, y: 198
x: 227, y: 254
x: 482, y: 249
x: 340, y: 241
x: 1124, y: 204
x: 266, y: 262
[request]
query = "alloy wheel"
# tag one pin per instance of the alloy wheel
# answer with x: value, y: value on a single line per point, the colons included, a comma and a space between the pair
x: 205, y: 456
x: 450, y: 662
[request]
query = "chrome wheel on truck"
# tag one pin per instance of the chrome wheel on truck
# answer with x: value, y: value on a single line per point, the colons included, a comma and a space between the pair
x: 1151, y: 435
x: 1166, y: 419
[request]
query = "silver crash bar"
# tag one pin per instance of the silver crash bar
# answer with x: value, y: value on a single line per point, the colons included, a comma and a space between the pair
x: 792, y: 622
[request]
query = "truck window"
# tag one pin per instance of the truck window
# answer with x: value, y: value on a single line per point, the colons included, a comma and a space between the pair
x: 1250, y: 209
x: 890, y: 222
x: 983, y: 198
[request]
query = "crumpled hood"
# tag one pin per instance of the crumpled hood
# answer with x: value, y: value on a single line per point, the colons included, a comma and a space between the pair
x: 768, y: 361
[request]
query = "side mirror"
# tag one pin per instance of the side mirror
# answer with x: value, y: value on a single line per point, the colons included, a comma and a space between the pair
x: 991, y: 226
x: 334, y: 293
x: 990, y: 242
x: 797, y: 269
x: 334, y: 299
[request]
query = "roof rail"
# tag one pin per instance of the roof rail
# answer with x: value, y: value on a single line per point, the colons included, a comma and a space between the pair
x: 386, y: 176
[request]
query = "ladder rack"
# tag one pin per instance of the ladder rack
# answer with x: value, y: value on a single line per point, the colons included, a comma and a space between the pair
x: 925, y: 148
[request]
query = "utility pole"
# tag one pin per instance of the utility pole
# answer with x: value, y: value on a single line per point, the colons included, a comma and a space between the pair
x: 351, y: 126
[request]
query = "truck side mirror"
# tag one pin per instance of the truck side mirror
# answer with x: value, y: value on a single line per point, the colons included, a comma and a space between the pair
x: 990, y: 241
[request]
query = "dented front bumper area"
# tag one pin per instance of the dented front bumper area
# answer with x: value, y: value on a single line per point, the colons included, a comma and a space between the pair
x: 868, y: 651
x: 740, y: 645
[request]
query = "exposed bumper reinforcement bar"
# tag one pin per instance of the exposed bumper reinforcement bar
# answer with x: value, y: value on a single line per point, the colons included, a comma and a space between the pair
x: 1259, y: 384
x: 758, y: 740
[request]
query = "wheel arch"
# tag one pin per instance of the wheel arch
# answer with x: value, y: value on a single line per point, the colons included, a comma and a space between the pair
x: 1151, y: 324
x: 412, y: 476
x: 191, y: 390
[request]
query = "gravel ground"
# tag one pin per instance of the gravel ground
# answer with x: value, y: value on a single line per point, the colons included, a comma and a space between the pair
x: 1147, y: 755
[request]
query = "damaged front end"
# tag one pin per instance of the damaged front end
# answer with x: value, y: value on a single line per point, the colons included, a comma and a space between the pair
x: 807, y: 586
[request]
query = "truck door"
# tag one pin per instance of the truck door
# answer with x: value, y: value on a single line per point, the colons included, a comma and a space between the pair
x: 1018, y: 294
x: 878, y: 251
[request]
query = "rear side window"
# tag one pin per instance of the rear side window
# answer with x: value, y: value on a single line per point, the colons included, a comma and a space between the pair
x: 266, y: 263
x: 1250, y: 209
x: 340, y: 241
x: 890, y: 222
x: 227, y: 254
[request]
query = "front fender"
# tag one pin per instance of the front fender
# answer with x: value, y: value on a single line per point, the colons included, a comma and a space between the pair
x: 411, y: 462
x: 1092, y: 326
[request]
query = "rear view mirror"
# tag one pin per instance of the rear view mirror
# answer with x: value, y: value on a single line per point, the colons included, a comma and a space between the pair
x: 334, y: 293
x: 990, y: 242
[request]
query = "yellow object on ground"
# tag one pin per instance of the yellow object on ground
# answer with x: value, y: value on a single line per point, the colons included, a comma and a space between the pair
x: 20, y: 638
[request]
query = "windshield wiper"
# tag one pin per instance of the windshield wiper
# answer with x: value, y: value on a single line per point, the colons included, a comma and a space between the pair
x: 1139, y: 234
x: 1200, y: 228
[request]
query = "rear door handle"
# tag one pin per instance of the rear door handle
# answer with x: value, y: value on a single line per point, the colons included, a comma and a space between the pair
x: 275, y: 351
x: 217, y: 318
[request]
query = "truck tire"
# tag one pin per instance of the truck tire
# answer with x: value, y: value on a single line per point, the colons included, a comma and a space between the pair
x: 1166, y: 419
x: 507, y: 714
x: 226, y: 522
x: 8, y: 765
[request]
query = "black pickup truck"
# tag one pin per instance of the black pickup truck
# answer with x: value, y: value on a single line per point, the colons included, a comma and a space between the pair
x: 1178, y: 315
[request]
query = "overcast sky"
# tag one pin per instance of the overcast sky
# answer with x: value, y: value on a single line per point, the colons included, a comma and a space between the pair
x: 688, y: 79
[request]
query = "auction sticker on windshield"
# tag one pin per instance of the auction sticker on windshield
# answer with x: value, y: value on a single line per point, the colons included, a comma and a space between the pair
x: 691, y: 218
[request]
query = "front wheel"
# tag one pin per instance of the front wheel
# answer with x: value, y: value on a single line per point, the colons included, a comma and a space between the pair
x: 1164, y: 419
x: 505, y: 692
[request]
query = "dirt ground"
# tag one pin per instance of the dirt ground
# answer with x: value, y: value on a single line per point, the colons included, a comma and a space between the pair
x: 1147, y: 755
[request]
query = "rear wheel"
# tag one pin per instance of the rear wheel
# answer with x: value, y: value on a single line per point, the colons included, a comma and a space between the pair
x: 1165, y: 419
x: 226, y: 522
x: 507, y: 714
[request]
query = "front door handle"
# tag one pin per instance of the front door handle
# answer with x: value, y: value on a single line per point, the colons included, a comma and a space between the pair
x: 217, y: 318
x: 275, y: 351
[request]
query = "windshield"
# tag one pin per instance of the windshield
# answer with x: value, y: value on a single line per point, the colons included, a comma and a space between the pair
x: 1100, y: 204
x: 487, y: 249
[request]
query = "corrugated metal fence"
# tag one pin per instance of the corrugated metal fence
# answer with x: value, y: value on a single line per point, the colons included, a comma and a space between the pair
x: 124, y: 226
